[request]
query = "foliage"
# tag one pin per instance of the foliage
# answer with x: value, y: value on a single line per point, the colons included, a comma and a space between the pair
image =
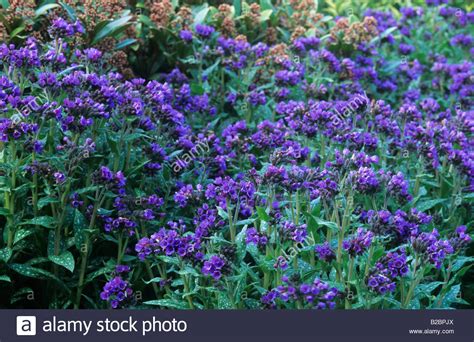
x: 289, y: 154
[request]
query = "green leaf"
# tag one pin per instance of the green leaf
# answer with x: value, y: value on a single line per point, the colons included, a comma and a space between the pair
x: 262, y: 214
x: 414, y: 304
x: 266, y: 4
x: 209, y: 70
x: 452, y: 296
x: 188, y: 270
x: 223, y: 301
x: 5, y: 4
x: 4, y: 212
x: 167, y: 303
x: 69, y: 10
x: 91, y: 276
x: 5, y: 254
x: 111, y: 27
x: 197, y: 89
x: 43, y: 9
x: 222, y: 213
x: 37, y: 273
x: 66, y: 260
x: 87, y: 189
x: 265, y: 15
x: 469, y: 196
x: 154, y: 280
x: 460, y: 261
x: 79, y: 226
x: 5, y: 278
x: 329, y: 224
x: 44, y: 221
x: 427, y: 289
x: 19, y: 295
x: 44, y: 201
x: 201, y: 15
x: 21, y: 234
x: 124, y: 43
x: 252, y: 304
x: 17, y: 31
x: 237, y: 7
x: 241, y: 245
x: 169, y: 260
x: 146, y: 20
x: 426, y: 205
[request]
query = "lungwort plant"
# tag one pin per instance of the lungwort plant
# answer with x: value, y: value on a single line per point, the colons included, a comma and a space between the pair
x: 272, y: 154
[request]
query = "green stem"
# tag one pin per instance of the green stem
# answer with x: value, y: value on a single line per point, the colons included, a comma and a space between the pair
x: 186, y: 289
x: 414, y: 283
x: 99, y: 199
x: 11, y: 199
x: 119, y: 248
x: 152, y: 276
x: 231, y: 224
x: 369, y: 258
x: 348, y: 304
x: 445, y: 284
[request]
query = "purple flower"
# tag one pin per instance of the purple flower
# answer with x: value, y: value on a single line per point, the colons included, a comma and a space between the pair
x: 398, y: 188
x: 59, y: 178
x: 117, y: 292
x: 252, y: 236
x: 186, y: 35
x: 119, y: 224
x: 364, y: 180
x: 213, y: 267
x: 431, y: 248
x: 226, y: 190
x: 462, y: 39
x: 122, y: 269
x: 93, y: 54
x: 206, y: 220
x: 257, y: 98
x: 204, y: 31
x: 316, y: 295
x: 281, y: 263
x: 169, y: 242
x: 382, y: 277
x: 145, y: 247
x: 325, y: 252
x: 61, y: 28
x: 114, y: 181
x: 295, y: 232
x: 75, y: 200
x: 47, y: 79
x: 460, y: 238
x: 185, y: 194
x: 359, y: 243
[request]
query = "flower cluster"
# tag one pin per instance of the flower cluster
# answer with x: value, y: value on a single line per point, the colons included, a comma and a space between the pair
x: 382, y: 278
x: 252, y: 236
x: 208, y: 150
x: 214, y: 267
x: 169, y: 242
x: 364, y: 180
x: 431, y: 248
x: 117, y: 292
x: 317, y: 295
x: 294, y: 232
x: 359, y: 243
x: 114, y: 181
x: 325, y: 252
